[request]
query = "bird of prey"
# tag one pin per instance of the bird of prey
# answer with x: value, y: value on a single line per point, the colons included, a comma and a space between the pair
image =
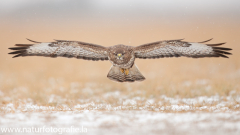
x: 121, y: 56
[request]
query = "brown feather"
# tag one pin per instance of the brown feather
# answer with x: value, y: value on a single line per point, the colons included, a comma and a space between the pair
x: 33, y: 41
x: 116, y: 75
x: 161, y: 41
x: 206, y: 41
x: 221, y: 48
x: 17, y: 52
x: 26, y: 45
x: 18, y: 48
x: 17, y: 55
x: 216, y: 44
x: 221, y: 55
x: 222, y: 52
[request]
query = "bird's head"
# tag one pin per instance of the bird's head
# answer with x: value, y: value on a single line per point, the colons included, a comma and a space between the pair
x: 120, y: 54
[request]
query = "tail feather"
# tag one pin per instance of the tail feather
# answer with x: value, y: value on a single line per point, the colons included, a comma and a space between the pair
x: 116, y: 75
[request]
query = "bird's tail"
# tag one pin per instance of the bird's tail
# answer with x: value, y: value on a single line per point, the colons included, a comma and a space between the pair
x: 133, y: 74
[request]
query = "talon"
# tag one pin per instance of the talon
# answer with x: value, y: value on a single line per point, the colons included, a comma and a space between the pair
x: 126, y: 71
x: 122, y: 70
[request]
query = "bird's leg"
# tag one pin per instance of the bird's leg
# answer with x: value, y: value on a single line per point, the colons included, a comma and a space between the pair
x: 126, y: 71
x: 122, y: 70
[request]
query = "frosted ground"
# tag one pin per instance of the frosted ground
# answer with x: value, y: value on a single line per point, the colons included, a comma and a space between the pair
x: 131, y: 122
x: 136, y: 115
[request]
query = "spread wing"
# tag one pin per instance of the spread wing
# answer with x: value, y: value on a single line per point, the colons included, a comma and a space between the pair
x: 178, y: 48
x: 62, y: 48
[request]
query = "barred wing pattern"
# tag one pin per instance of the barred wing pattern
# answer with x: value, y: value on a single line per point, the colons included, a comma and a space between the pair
x: 178, y: 48
x: 62, y: 48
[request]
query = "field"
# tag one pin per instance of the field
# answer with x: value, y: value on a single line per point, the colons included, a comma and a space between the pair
x: 179, y: 95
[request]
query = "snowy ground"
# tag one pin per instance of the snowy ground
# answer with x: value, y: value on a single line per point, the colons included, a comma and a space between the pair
x: 129, y: 122
x: 200, y: 115
x: 122, y: 102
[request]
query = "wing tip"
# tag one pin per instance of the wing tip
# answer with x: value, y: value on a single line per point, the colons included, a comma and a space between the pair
x: 222, y: 48
x: 180, y: 39
x: 206, y: 40
x: 18, y: 51
x: 224, y: 56
x: 18, y: 48
x: 217, y: 44
x: 23, y: 45
x: 18, y: 55
x: 222, y: 51
x: 33, y: 41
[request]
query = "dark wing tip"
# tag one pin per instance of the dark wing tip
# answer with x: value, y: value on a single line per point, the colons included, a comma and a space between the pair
x: 16, y: 52
x: 33, y: 41
x: 180, y: 39
x: 218, y: 44
x: 222, y: 48
x: 56, y: 40
x: 18, y: 48
x: 221, y: 51
x: 175, y: 40
x: 18, y: 55
x: 19, y: 51
x: 60, y: 40
x: 23, y: 45
x: 206, y: 40
x: 222, y: 55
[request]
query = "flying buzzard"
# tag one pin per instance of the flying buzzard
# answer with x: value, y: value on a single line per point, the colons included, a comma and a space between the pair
x: 121, y: 56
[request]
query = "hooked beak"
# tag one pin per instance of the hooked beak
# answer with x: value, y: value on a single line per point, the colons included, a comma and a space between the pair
x: 119, y: 55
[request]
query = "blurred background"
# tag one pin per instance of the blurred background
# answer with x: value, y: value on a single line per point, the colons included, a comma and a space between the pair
x: 107, y: 23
